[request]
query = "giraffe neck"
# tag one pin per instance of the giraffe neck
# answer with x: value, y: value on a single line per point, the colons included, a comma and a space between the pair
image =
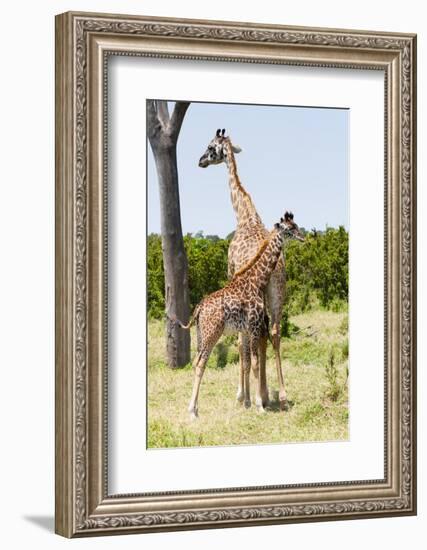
x: 265, y: 264
x: 244, y: 208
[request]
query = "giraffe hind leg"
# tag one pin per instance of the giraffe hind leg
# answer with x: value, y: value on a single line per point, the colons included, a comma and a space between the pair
x: 275, y: 332
x: 199, y: 364
x: 207, y: 341
x: 275, y: 298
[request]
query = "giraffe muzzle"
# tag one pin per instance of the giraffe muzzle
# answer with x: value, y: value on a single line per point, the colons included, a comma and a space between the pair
x: 203, y: 162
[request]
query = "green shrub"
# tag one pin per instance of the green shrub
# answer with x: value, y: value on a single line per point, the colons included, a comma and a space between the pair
x: 316, y: 272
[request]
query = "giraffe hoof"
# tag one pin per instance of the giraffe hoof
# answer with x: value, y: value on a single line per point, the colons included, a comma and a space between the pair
x: 248, y: 403
x: 240, y: 397
x: 260, y: 409
x: 283, y: 405
x: 194, y: 414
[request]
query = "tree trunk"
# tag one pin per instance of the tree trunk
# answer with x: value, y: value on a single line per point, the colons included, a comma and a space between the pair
x: 163, y: 135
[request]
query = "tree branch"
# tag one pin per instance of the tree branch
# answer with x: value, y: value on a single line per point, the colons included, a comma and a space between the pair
x: 153, y: 122
x: 163, y: 112
x: 177, y: 117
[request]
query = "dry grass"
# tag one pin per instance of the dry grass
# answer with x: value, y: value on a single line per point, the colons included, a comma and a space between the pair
x: 318, y: 408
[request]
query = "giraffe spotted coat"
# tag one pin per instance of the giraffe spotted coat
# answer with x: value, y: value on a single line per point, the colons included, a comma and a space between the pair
x: 249, y: 235
x: 240, y: 307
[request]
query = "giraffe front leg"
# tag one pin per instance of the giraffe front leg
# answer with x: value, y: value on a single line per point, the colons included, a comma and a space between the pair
x: 256, y: 371
x: 246, y: 351
x: 243, y: 392
x: 247, y: 385
x: 275, y: 333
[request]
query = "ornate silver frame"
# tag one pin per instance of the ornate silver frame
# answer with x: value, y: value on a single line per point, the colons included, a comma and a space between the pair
x: 83, y: 42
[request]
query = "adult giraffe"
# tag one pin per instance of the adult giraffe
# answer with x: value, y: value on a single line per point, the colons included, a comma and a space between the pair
x: 249, y: 235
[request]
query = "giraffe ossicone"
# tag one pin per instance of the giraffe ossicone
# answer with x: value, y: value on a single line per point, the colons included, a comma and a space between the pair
x: 217, y: 150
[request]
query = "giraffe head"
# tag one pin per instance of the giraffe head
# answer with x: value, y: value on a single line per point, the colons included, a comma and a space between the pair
x: 217, y: 150
x: 289, y: 228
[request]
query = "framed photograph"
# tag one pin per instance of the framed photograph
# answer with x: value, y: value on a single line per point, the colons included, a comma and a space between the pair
x: 235, y: 274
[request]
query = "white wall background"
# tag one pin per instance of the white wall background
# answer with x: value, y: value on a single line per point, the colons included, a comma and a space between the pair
x: 27, y: 273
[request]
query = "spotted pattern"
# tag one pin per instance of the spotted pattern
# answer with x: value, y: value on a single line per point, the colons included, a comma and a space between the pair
x: 240, y: 307
x: 249, y: 235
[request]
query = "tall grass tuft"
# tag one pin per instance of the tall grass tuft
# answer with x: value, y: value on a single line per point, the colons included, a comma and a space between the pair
x: 334, y: 388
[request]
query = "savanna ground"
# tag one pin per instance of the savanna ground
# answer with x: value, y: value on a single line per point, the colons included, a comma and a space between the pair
x: 315, y: 364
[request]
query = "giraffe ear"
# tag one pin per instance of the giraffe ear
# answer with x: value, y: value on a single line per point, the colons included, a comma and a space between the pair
x: 281, y: 220
x: 236, y: 149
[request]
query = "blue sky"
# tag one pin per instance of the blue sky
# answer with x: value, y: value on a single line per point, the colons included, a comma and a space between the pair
x: 293, y: 158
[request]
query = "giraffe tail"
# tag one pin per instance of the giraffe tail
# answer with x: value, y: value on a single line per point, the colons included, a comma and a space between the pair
x: 191, y: 322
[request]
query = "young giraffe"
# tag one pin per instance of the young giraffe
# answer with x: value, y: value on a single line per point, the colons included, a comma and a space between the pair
x: 239, y: 306
x: 248, y: 237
